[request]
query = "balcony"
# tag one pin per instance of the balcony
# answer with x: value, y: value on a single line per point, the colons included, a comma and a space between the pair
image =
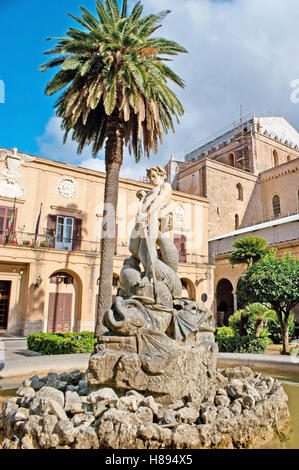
x: 46, y: 241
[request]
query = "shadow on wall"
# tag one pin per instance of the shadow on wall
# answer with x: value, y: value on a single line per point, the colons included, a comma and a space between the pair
x: 254, y: 210
x: 35, y: 310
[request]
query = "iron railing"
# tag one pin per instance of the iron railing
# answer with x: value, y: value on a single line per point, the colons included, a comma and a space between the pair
x: 28, y: 240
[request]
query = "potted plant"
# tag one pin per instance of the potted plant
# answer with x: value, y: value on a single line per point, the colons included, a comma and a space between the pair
x: 44, y: 244
x: 26, y: 243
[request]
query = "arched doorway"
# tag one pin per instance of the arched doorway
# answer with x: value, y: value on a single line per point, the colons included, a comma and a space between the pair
x: 188, y: 289
x: 64, y: 302
x: 225, y: 301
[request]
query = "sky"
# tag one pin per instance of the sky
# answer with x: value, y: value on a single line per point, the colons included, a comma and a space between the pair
x: 240, y: 52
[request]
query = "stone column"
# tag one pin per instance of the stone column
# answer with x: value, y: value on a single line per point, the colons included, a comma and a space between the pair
x: 235, y: 301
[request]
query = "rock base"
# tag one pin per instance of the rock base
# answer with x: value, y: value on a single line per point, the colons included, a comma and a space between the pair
x: 190, y: 373
x: 58, y: 411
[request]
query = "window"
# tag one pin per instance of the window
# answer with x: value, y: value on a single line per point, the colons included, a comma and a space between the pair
x: 61, y: 278
x: 239, y: 192
x: 276, y: 205
x: 275, y: 158
x: 288, y: 158
x: 5, y: 215
x: 180, y: 243
x: 64, y: 233
x: 237, y: 222
x: 231, y: 159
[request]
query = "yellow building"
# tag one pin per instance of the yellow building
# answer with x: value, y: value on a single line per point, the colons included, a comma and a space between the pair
x: 49, y: 282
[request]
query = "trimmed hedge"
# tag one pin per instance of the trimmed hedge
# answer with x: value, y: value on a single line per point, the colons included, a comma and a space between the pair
x: 61, y: 343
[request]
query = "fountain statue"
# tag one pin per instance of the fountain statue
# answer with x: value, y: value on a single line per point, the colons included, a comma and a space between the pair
x: 157, y: 342
x: 152, y: 381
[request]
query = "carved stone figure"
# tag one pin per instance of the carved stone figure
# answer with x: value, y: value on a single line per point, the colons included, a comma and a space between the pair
x: 9, y: 187
x: 157, y: 342
x: 67, y: 187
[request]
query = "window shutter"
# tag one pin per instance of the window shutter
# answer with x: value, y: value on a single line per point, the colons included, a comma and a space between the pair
x: 2, y: 223
x: 77, y: 234
x: 183, y: 255
x: 51, y: 229
x: 180, y: 243
x: 5, y: 213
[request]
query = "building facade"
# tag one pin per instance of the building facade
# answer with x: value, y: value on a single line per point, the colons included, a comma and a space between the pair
x: 250, y: 174
x: 51, y: 217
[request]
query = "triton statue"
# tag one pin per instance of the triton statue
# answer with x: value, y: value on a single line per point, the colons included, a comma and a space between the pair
x: 149, y: 323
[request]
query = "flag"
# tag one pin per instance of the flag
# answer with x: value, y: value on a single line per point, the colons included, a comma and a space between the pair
x: 37, y: 223
x: 11, y: 222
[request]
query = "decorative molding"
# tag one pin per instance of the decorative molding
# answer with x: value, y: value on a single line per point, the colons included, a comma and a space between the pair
x: 67, y: 187
x: 66, y: 209
x: 12, y: 199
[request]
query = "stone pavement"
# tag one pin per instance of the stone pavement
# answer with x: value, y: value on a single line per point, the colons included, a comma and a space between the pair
x: 17, y: 361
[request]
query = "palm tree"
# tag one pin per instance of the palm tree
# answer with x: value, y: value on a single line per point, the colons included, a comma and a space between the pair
x: 114, y: 81
x: 248, y: 249
x: 259, y: 312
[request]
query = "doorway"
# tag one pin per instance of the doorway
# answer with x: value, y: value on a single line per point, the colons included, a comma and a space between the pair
x: 60, y: 312
x: 5, y: 287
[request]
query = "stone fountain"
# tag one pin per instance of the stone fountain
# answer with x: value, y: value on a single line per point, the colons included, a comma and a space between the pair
x: 157, y: 343
x: 152, y: 380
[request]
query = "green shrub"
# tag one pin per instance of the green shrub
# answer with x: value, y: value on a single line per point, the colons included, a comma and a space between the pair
x: 275, y: 332
x: 61, y: 343
x: 230, y: 341
x: 223, y: 337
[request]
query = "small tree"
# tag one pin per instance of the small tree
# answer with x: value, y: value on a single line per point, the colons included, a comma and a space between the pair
x: 248, y: 249
x: 273, y: 281
x: 258, y: 313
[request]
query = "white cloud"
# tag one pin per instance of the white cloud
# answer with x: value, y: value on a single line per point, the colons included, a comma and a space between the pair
x: 51, y: 146
x: 240, y: 52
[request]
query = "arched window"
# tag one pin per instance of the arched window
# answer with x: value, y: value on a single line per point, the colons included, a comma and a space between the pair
x: 275, y: 158
x: 239, y: 192
x: 231, y: 159
x: 288, y: 158
x: 61, y: 278
x: 276, y: 205
x: 237, y: 222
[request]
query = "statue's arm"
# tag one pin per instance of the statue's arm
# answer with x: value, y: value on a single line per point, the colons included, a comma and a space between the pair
x: 163, y: 198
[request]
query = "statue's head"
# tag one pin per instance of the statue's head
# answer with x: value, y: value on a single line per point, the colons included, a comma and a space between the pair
x: 156, y: 174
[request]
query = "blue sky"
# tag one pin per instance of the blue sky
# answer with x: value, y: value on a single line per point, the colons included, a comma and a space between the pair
x: 240, y: 52
x: 25, y: 25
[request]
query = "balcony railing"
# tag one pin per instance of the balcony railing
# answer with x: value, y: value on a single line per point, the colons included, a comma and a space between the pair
x: 29, y: 240
x: 46, y: 241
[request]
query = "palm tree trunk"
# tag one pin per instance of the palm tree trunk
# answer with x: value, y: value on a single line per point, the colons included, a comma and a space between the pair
x: 258, y: 326
x: 113, y: 159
